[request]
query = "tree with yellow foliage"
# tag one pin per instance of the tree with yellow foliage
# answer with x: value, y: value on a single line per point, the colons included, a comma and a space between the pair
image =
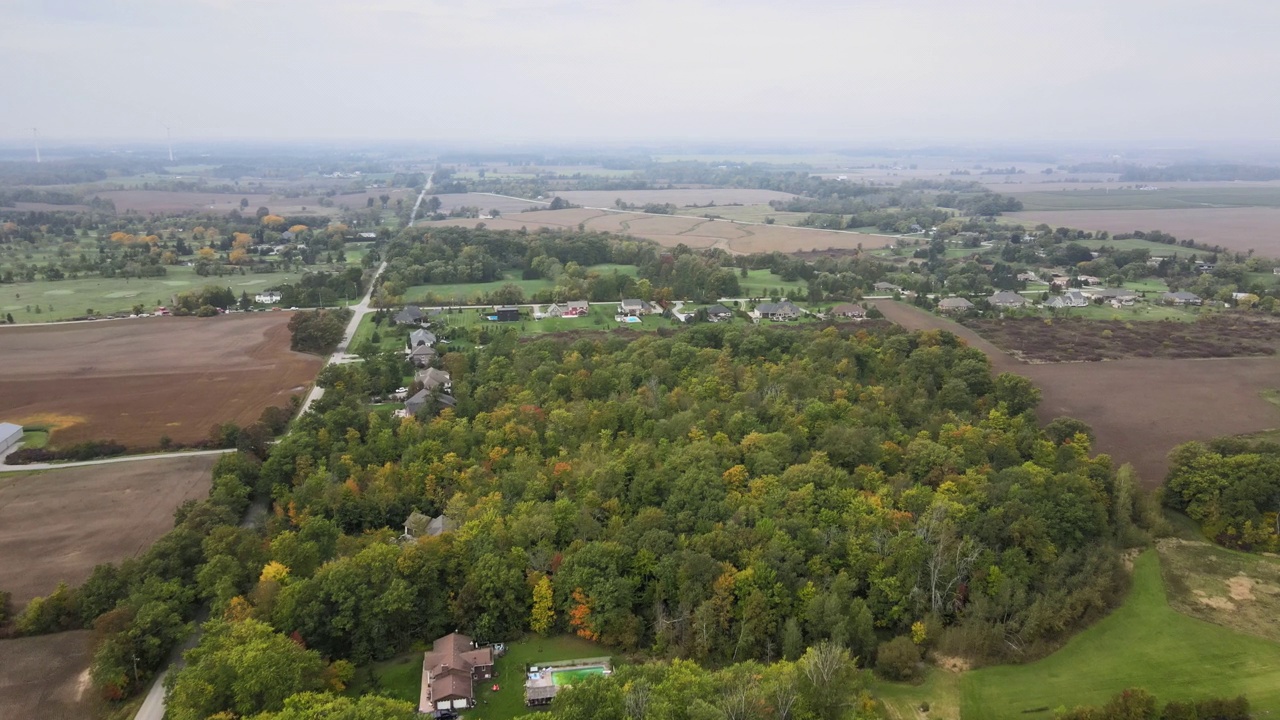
x: 274, y: 571
x: 206, y: 253
x: 272, y: 221
x: 543, y: 616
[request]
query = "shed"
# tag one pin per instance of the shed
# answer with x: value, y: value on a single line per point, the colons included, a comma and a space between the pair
x: 10, y: 436
x: 507, y: 313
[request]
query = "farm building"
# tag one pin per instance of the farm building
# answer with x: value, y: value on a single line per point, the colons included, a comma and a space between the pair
x: 507, y: 313
x: 848, y: 310
x: 954, y: 304
x: 449, y: 671
x: 10, y: 436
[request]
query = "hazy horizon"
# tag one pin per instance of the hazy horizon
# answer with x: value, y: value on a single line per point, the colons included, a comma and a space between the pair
x: 1174, y: 73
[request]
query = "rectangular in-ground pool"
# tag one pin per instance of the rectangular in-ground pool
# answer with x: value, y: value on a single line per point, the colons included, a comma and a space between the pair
x: 571, y: 675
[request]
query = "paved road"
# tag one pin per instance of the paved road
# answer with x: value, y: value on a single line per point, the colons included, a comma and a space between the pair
x: 340, y: 355
x: 108, y: 461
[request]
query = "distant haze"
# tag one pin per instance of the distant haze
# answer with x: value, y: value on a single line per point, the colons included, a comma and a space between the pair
x: 513, y: 71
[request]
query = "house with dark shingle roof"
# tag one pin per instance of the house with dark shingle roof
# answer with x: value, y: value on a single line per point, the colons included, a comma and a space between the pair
x: 410, y: 315
x: 1182, y: 297
x: 718, y: 312
x: 1008, y: 299
x: 779, y: 312
x: 848, y: 310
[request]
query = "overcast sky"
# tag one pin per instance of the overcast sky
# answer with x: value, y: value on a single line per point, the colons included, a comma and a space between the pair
x: 556, y: 70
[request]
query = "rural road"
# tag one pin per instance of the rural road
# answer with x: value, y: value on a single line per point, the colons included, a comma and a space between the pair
x: 108, y: 461
x: 358, y: 311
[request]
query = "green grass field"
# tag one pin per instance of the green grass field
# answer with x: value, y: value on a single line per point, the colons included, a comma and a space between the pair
x: 1141, y: 311
x: 399, y: 677
x: 469, y: 293
x: 35, y: 436
x: 758, y: 283
x: 72, y: 298
x: 508, y: 701
x: 1144, y: 643
x: 1163, y: 199
x: 1156, y: 249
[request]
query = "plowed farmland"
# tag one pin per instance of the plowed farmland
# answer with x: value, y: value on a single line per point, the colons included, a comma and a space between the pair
x: 134, y: 381
x: 56, y: 525
x: 47, y: 676
x: 1139, y: 408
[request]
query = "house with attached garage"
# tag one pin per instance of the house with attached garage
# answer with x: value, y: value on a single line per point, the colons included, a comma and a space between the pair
x: 421, y: 337
x: 1182, y: 297
x: 422, y: 356
x: 571, y: 309
x: 1006, y: 299
x: 887, y: 287
x: 1068, y: 299
x: 848, y: 310
x: 954, y: 305
x: 411, y: 315
x: 778, y: 312
x: 433, y: 378
x: 635, y: 308
x: 719, y: 313
x: 450, y: 670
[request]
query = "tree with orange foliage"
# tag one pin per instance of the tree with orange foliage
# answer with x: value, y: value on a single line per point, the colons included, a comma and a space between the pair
x: 272, y: 221
x: 580, y: 615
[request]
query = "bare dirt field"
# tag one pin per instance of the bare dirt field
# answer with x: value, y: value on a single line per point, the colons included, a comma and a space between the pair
x: 1236, y: 228
x: 56, y: 525
x: 134, y: 381
x: 1077, y: 340
x: 47, y: 677
x: 1139, y: 408
x: 672, y: 230
x: 996, y: 183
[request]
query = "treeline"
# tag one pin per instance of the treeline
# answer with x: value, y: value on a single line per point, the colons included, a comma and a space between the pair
x: 1200, y: 172
x: 1231, y: 488
x: 1138, y: 704
x: 318, y: 331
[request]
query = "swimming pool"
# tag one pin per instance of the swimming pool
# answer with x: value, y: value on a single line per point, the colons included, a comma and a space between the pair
x: 572, y: 675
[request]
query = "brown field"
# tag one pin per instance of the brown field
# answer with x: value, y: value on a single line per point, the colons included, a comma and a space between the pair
x: 135, y: 380
x: 1077, y: 340
x: 672, y: 230
x: 47, y: 677
x: 1093, y: 181
x: 56, y: 525
x: 680, y: 197
x: 1239, y: 228
x: 1140, y: 408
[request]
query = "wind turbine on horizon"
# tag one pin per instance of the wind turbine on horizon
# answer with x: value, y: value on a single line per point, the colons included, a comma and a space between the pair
x: 168, y: 135
x: 36, y: 134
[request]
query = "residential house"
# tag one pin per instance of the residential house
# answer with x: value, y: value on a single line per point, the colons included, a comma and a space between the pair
x: 507, y: 313
x: 1182, y: 297
x: 1275, y: 271
x: 450, y: 670
x: 433, y: 378
x: 422, y: 356
x: 410, y: 315
x: 1069, y: 299
x: 366, y: 236
x: 954, y: 305
x: 415, y: 404
x: 288, y: 235
x: 848, y: 310
x: 271, y: 297
x: 718, y: 313
x: 1089, y: 280
x: 778, y: 312
x: 635, y: 308
x: 1006, y: 299
x: 571, y: 309
x: 421, y: 337
x: 887, y: 287
x: 1028, y: 277
x: 1115, y: 297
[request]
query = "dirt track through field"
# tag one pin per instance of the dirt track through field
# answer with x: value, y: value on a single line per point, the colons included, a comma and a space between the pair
x: 134, y: 381
x: 1139, y: 409
x: 56, y: 525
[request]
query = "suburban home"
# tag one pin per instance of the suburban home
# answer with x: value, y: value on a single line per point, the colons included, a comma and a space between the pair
x: 411, y: 315
x: 422, y: 355
x: 1275, y: 271
x: 1028, y: 277
x: 418, y: 525
x: 507, y: 313
x: 1089, y: 280
x: 887, y: 287
x: 432, y: 378
x: 1069, y: 299
x: 954, y: 304
x: 634, y: 308
x: 718, y: 313
x: 778, y: 312
x: 271, y: 297
x: 449, y: 672
x: 415, y: 404
x: 848, y: 310
x: 366, y: 236
x: 573, y: 308
x: 1116, y: 297
x: 1182, y: 297
x: 421, y: 337
x: 1007, y: 299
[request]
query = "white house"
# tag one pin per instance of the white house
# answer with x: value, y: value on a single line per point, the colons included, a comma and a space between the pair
x: 267, y: 298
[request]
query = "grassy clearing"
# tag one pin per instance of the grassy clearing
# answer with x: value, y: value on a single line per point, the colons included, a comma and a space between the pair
x: 35, y: 436
x: 1145, y: 643
x: 1142, y: 311
x: 1225, y: 587
x: 470, y: 293
x: 391, y: 337
x: 761, y: 283
x: 940, y: 689
x: 508, y: 701
x: 1156, y: 249
x: 399, y: 677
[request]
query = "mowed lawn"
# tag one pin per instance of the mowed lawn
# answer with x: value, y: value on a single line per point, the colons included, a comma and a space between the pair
x: 468, y: 293
x: 1144, y: 643
x: 508, y: 701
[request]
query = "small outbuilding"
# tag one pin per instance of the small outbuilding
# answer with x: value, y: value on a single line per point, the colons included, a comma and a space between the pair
x: 10, y: 436
x: 507, y: 313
